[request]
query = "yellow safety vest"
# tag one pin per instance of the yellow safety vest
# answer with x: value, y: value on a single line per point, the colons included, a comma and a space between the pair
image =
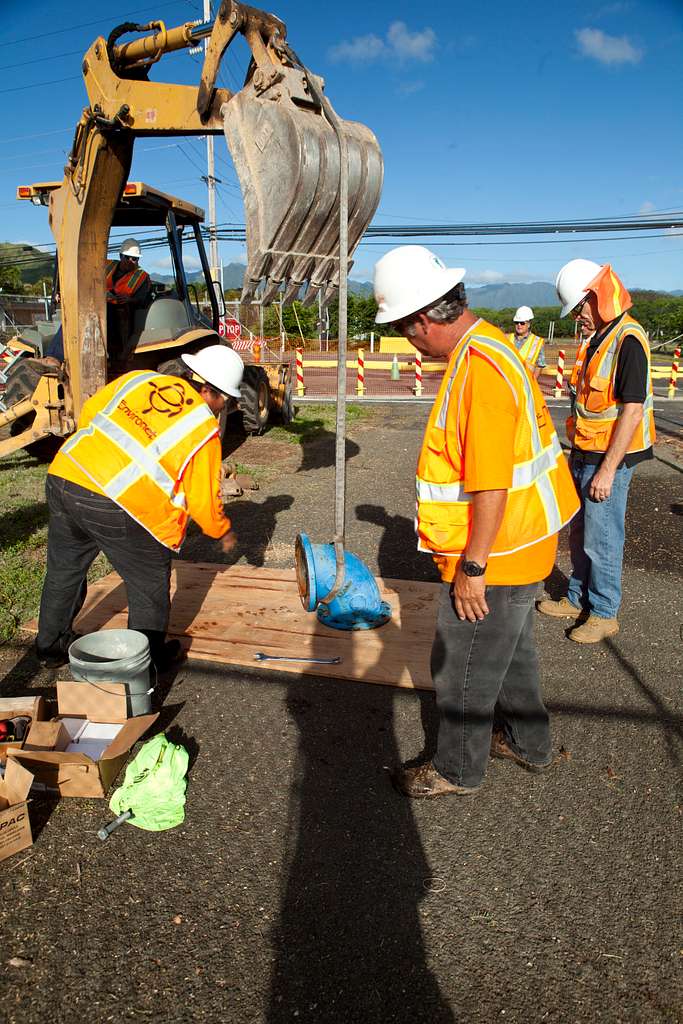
x: 542, y: 498
x: 597, y: 409
x: 137, y: 447
x: 530, y: 349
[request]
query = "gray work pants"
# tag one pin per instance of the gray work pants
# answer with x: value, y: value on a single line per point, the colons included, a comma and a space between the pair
x: 488, y: 669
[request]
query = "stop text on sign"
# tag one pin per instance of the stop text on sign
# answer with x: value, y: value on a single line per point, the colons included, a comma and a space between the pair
x: 230, y: 329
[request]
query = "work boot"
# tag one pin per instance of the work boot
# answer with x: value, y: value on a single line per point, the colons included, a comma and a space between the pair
x: 562, y: 609
x: 501, y: 748
x: 57, y: 654
x: 424, y: 782
x: 594, y: 629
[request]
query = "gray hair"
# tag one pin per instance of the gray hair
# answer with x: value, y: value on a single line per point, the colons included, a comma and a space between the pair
x: 448, y: 309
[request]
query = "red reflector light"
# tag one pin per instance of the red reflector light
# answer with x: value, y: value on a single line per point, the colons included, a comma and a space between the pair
x: 24, y: 192
x: 129, y: 190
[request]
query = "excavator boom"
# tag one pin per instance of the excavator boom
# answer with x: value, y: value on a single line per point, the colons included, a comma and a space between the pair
x: 285, y: 140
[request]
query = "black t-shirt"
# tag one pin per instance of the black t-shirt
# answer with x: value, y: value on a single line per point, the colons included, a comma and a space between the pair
x: 630, y: 385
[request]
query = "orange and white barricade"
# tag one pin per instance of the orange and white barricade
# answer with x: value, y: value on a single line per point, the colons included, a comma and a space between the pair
x: 360, y: 373
x: 559, y: 377
x: 671, y: 393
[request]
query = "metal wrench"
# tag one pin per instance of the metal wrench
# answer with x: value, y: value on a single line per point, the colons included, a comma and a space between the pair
x: 260, y: 656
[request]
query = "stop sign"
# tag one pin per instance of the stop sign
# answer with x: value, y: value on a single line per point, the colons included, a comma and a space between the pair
x: 230, y: 328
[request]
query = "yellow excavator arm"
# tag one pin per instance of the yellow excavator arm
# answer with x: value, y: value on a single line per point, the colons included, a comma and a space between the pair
x: 285, y: 141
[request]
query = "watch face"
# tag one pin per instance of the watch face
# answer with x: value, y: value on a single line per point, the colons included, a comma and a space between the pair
x: 473, y: 569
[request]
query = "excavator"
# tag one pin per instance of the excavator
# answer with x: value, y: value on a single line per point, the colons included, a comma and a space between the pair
x: 310, y: 182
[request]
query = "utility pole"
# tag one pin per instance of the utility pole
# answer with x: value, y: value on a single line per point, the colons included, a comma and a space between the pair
x: 214, y: 259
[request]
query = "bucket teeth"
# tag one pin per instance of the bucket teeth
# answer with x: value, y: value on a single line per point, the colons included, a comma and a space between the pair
x: 286, y: 156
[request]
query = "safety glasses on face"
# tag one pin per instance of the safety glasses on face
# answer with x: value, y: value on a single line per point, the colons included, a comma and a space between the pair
x: 576, y: 311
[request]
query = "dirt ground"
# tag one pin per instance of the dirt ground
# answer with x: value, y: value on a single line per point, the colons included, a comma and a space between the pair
x: 302, y: 887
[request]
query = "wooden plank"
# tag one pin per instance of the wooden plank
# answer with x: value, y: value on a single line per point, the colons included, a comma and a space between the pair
x: 226, y: 614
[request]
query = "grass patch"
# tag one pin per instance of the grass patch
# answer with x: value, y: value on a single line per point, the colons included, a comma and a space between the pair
x: 315, y: 421
x: 23, y: 542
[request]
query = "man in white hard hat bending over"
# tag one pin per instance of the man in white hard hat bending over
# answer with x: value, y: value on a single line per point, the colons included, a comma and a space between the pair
x: 493, y: 490
x: 528, y: 344
x: 611, y: 430
x: 145, y: 459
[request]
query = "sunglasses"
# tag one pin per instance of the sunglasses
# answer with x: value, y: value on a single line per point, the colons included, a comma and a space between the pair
x: 576, y: 311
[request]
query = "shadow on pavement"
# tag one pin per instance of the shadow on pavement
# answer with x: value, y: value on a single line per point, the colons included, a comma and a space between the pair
x: 348, y: 945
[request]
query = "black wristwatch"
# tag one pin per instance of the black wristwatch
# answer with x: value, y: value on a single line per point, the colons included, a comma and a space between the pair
x: 472, y: 568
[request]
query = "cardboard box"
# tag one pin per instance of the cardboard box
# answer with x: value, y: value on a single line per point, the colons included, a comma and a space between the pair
x: 15, y: 825
x: 94, y: 737
x: 14, y: 707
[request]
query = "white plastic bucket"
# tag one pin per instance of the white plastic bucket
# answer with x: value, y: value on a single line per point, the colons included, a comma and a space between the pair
x: 119, y: 656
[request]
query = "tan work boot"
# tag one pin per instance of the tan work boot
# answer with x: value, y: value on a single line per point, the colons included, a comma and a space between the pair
x: 562, y: 609
x: 594, y: 629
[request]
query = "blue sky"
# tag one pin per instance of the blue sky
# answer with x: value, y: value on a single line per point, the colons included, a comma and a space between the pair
x: 484, y: 112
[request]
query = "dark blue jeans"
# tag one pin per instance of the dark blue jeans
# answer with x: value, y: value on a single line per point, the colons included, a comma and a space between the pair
x: 488, y: 669
x: 81, y: 525
x: 596, y: 542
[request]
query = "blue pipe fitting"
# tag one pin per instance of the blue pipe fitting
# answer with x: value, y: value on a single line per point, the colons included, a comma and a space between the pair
x: 358, y: 604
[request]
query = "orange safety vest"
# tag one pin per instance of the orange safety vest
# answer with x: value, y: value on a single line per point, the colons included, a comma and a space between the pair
x: 597, y: 410
x: 530, y: 349
x: 542, y: 498
x: 137, y: 447
x: 128, y: 284
x: 580, y: 356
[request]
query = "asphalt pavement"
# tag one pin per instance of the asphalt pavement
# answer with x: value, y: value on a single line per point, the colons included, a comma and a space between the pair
x: 302, y: 887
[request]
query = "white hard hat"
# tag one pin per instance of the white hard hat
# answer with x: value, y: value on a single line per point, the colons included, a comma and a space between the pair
x: 219, y: 366
x: 523, y: 314
x: 130, y: 247
x: 409, y: 278
x: 572, y: 280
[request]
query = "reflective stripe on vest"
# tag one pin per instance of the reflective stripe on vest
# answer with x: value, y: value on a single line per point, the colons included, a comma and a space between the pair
x: 597, y: 409
x: 530, y: 349
x: 132, y: 472
x: 541, y: 498
x: 128, y: 283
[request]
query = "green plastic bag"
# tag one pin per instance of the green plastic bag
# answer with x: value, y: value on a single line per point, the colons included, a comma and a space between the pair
x: 154, y: 786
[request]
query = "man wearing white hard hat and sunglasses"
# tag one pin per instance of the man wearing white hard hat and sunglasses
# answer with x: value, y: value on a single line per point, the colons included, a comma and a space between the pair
x: 529, y: 345
x: 493, y: 490
x: 145, y: 459
x: 612, y: 430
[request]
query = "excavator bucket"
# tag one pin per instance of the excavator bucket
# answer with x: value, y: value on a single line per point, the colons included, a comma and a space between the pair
x: 286, y: 155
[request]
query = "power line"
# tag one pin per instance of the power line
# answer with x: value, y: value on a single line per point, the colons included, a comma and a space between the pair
x: 86, y: 24
x: 40, y: 85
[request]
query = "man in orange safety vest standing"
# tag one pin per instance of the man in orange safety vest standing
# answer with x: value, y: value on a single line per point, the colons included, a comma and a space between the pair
x: 493, y: 490
x: 129, y: 288
x: 145, y: 459
x: 611, y: 430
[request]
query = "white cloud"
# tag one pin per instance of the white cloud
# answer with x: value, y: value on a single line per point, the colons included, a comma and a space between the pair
x: 607, y: 49
x: 410, y: 88
x: 647, y: 207
x: 359, y: 50
x: 482, y: 277
x: 411, y: 45
x: 400, y: 44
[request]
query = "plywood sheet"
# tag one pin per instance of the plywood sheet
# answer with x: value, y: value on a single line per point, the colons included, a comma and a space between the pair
x: 226, y: 614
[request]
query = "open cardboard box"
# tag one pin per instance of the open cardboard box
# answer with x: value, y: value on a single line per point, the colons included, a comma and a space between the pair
x: 15, y: 707
x: 15, y: 826
x: 80, y: 752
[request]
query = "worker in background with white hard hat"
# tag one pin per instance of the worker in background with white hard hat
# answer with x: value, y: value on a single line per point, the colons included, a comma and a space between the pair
x: 145, y: 459
x: 529, y: 345
x: 129, y: 288
x: 493, y: 490
x: 611, y: 430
